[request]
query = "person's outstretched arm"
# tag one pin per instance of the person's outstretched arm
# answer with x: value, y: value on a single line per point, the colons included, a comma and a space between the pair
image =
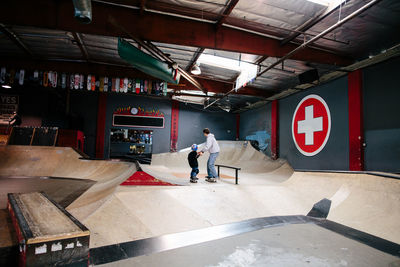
x: 207, y: 146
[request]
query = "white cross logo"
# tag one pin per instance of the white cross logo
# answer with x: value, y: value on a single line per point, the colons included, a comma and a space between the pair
x: 310, y: 125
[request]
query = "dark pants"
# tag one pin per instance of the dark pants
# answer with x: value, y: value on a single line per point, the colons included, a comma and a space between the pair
x: 194, y: 172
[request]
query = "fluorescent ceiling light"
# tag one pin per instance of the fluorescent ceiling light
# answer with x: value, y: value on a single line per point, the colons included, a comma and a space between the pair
x: 321, y: 2
x: 6, y: 86
x: 248, y: 71
x: 219, y: 62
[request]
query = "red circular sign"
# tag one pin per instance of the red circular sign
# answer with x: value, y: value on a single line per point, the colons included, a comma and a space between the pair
x: 311, y: 125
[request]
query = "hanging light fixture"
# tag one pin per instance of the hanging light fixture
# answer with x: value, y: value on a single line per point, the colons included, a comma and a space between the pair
x: 195, y: 70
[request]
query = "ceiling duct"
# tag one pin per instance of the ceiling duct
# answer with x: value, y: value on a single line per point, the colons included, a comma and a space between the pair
x: 83, y: 10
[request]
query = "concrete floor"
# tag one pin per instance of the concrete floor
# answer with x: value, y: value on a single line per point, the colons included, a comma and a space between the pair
x: 288, y: 245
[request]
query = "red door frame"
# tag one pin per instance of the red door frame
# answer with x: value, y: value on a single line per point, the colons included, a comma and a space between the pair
x: 101, y: 125
x: 274, y: 129
x: 356, y: 127
x: 174, y: 126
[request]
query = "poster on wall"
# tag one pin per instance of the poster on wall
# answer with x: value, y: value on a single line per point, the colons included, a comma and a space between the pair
x: 8, y: 104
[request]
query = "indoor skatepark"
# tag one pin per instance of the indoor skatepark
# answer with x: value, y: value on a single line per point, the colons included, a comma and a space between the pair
x: 199, y: 133
x: 266, y: 188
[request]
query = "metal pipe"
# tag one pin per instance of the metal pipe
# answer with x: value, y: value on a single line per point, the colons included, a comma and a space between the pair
x: 312, y: 40
x: 304, y: 45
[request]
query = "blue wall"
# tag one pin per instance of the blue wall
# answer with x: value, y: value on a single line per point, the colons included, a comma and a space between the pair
x: 255, y: 124
x: 334, y: 156
x: 381, y: 84
x: 193, y: 119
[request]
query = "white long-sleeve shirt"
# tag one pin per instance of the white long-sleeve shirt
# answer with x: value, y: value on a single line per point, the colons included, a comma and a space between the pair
x: 211, y: 144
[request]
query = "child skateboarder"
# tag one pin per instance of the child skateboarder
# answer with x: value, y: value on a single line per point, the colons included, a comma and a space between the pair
x: 192, y: 158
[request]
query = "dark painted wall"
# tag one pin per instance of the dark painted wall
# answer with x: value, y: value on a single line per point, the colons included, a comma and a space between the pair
x: 47, y: 107
x: 193, y: 119
x: 382, y: 116
x: 255, y: 124
x: 161, y: 137
x: 83, y: 115
x: 334, y: 156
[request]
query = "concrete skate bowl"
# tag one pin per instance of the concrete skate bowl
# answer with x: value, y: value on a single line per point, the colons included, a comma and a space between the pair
x: 256, y: 167
x: 56, y: 170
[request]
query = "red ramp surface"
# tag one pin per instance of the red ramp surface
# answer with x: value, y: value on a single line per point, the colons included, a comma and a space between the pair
x: 143, y: 178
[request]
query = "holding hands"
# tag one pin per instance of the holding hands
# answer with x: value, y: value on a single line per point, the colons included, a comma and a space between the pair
x: 199, y: 153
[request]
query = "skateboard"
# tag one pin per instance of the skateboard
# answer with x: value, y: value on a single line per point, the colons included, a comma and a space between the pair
x: 137, y: 87
x: 3, y: 75
x: 81, y: 82
x: 113, y: 82
x: 76, y: 81
x: 125, y: 85
x: 54, y: 79
x: 117, y: 83
x: 109, y: 84
x: 165, y: 89
x: 63, y: 80
x: 50, y: 79
x: 89, y: 82
x: 45, y: 79
x: 121, y: 85
x: 193, y: 180
x: 93, y: 83
x: 21, y: 77
x: 105, y: 84
x: 149, y: 87
x: 141, y: 86
x: 211, y: 180
x: 35, y: 75
x: 130, y: 85
x: 145, y: 86
x: 101, y: 84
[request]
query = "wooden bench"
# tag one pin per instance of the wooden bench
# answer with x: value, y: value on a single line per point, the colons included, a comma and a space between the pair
x: 230, y: 167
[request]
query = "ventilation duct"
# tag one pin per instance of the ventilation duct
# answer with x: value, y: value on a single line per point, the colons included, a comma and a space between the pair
x: 83, y: 10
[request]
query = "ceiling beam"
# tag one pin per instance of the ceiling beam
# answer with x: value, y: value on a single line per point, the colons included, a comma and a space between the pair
x: 81, y: 45
x: 156, y: 27
x: 227, y: 11
x: 15, y: 39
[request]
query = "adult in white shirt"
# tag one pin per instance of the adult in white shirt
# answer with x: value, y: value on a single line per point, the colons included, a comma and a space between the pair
x: 212, y: 147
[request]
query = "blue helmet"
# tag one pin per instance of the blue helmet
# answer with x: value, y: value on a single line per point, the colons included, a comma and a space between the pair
x: 194, y: 147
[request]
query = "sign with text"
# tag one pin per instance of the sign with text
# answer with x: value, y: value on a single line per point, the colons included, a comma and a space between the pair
x: 8, y: 104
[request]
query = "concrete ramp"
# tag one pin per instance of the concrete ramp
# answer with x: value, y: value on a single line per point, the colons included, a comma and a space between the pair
x: 266, y: 188
x: 256, y: 167
x: 64, y: 162
x: 116, y: 214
